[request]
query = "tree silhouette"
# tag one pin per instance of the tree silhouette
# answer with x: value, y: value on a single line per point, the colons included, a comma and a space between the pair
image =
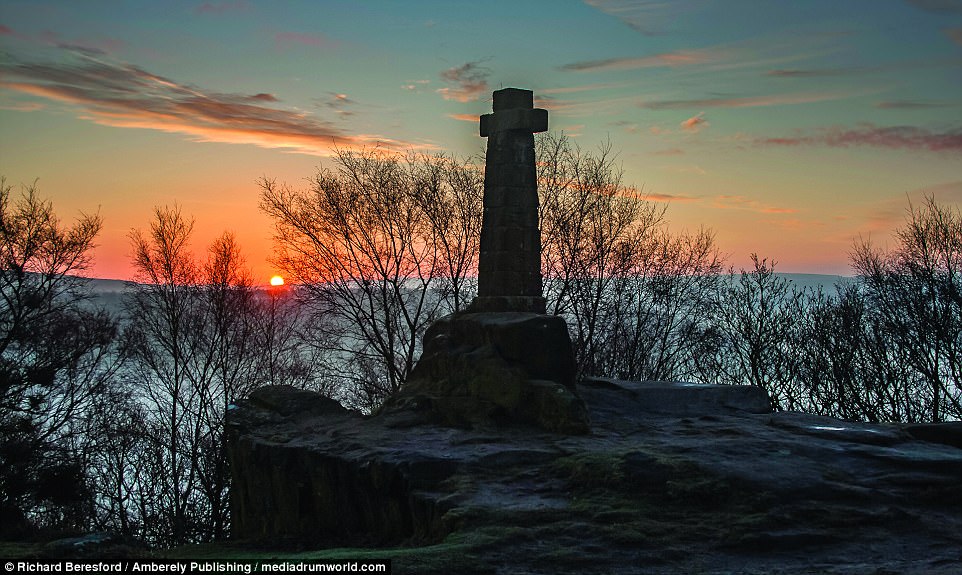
x: 55, y: 363
x: 384, y: 244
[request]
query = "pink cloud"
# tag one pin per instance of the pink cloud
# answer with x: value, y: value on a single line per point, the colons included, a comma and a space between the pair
x: 910, y: 104
x: 807, y: 73
x: 954, y: 34
x: 465, y: 117
x: 743, y: 102
x: 468, y: 82
x: 695, y: 123
x: 285, y: 40
x: 556, y: 104
x: 664, y: 60
x: 6, y: 30
x: 644, y: 16
x: 582, y: 88
x: 894, y: 137
x: 670, y: 198
x: 731, y: 202
x: 124, y: 95
x: 24, y: 107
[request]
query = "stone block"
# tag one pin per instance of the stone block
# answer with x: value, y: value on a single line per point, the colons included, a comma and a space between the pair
x: 506, y: 217
x: 527, y: 121
x: 482, y: 369
x: 507, y: 98
x: 524, y: 177
x: 495, y: 196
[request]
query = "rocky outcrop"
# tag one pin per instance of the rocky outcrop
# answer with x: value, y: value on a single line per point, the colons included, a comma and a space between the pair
x: 671, y: 479
x: 483, y: 368
x: 290, y: 485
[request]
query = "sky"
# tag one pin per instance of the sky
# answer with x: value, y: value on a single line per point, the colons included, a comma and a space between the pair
x: 790, y: 129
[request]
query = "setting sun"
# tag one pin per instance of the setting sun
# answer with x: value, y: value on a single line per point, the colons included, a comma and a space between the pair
x: 277, y: 281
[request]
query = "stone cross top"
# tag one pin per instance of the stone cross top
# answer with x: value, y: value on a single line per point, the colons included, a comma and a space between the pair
x: 509, y: 265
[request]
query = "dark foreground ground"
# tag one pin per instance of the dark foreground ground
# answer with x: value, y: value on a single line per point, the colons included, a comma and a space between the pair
x: 672, y: 479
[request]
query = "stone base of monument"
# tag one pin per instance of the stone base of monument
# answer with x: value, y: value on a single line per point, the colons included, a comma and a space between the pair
x: 495, y: 368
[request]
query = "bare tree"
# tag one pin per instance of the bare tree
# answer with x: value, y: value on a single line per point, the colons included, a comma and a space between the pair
x: 662, y: 328
x: 757, y: 317
x: 590, y: 224
x: 634, y: 294
x: 383, y: 245
x: 161, y: 341
x: 916, y: 290
x: 55, y: 362
x: 199, y: 334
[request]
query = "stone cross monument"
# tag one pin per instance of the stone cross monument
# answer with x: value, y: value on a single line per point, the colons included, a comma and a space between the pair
x: 509, y: 263
x: 503, y: 360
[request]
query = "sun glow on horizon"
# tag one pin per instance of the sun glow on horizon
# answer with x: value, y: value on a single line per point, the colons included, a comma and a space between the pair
x: 277, y: 281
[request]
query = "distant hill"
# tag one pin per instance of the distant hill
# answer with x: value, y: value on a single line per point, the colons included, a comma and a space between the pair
x: 828, y: 283
x: 109, y: 293
x: 99, y: 286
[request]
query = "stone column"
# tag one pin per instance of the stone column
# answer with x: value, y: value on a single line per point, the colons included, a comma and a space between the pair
x: 503, y: 360
x: 509, y: 264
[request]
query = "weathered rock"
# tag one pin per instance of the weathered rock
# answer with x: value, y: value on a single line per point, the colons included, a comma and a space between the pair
x: 949, y: 433
x: 653, y: 489
x: 676, y: 398
x: 92, y: 546
x: 290, y: 486
x: 483, y: 368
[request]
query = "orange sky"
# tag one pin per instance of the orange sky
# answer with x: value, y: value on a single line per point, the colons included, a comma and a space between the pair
x: 790, y: 129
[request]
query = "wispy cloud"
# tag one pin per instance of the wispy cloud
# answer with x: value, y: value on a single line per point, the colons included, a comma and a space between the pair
x: 124, y: 95
x: 285, y: 40
x: 671, y: 198
x: 582, y: 88
x: 414, y: 84
x: 669, y: 152
x: 685, y: 169
x: 337, y: 102
x: 733, y: 202
x: 938, y: 6
x: 744, y: 102
x: 663, y: 60
x: 23, y: 107
x: 222, y: 7
x: 649, y: 17
x: 466, y: 117
x: 556, y: 104
x: 954, y: 34
x: 467, y: 82
x: 910, y: 104
x: 808, y: 73
x: 6, y: 30
x: 695, y: 123
x: 893, y: 137
x: 572, y: 107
